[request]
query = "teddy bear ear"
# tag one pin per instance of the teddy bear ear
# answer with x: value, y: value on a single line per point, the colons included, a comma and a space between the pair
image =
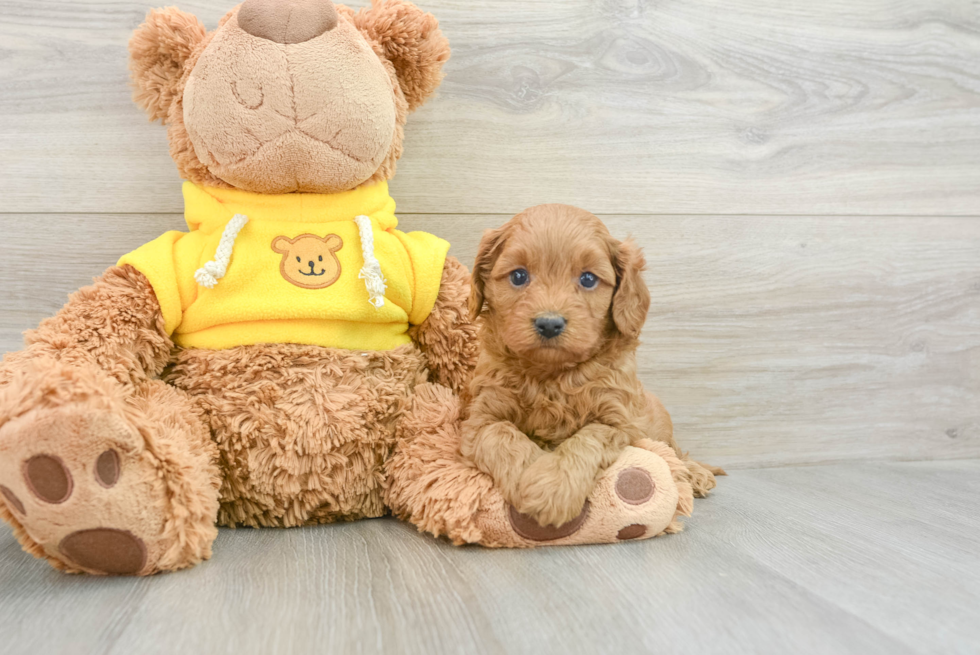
x: 158, y: 51
x: 281, y: 245
x: 411, y: 41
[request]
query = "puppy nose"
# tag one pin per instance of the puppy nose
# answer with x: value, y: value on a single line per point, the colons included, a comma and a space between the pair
x: 287, y: 21
x: 550, y: 325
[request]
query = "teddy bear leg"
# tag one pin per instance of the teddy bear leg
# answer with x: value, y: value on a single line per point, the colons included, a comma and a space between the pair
x: 103, y: 478
x: 640, y: 496
x: 429, y: 484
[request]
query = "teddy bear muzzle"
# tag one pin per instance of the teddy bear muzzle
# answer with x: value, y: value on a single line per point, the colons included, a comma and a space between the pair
x: 287, y: 21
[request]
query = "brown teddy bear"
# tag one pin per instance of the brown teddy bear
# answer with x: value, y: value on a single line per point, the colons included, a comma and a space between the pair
x: 293, y: 358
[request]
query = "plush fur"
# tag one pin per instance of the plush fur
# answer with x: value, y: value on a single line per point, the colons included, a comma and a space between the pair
x: 550, y: 414
x: 165, y: 51
x: 266, y: 435
x: 168, y: 491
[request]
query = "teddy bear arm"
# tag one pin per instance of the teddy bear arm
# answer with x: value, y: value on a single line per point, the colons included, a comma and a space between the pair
x: 448, y: 337
x: 115, y: 324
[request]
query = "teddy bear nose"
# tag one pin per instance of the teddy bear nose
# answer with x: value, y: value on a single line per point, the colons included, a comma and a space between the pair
x: 287, y: 21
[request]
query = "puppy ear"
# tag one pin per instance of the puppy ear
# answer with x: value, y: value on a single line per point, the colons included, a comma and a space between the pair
x: 631, y: 300
x: 411, y: 41
x: 486, y: 256
x: 158, y: 51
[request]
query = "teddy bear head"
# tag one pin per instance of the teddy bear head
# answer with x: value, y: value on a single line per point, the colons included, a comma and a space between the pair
x: 287, y: 95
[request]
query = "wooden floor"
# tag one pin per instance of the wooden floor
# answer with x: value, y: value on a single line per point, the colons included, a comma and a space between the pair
x: 804, y: 178
x: 858, y: 558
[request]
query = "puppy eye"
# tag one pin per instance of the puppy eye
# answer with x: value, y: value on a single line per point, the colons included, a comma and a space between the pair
x: 519, y: 277
x: 298, y: 259
x: 588, y: 280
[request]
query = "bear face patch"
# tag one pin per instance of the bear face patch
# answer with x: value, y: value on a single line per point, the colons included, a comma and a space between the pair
x: 309, y: 261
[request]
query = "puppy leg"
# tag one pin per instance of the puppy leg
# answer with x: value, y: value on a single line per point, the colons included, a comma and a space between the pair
x: 702, y: 476
x: 501, y: 451
x: 554, y: 488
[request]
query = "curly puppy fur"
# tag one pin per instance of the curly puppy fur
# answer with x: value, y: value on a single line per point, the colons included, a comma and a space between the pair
x: 549, y: 414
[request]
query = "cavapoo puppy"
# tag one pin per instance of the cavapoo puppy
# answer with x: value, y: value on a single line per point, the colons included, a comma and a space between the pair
x: 555, y: 396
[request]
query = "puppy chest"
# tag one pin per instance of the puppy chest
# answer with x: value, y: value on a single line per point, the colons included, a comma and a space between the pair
x: 552, y: 416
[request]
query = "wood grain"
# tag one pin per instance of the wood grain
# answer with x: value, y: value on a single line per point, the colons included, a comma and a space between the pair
x: 805, y: 180
x: 772, y: 340
x: 628, y: 106
x: 866, y: 558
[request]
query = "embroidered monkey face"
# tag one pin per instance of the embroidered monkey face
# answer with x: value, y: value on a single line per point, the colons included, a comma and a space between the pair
x: 309, y: 261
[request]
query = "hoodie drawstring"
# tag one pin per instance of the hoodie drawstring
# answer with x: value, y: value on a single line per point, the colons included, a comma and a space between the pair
x: 209, y: 274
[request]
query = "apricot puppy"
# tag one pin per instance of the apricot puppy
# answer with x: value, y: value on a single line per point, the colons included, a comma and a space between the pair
x: 555, y: 396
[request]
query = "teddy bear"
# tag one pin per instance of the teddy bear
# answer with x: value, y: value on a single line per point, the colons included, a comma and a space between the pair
x: 293, y: 358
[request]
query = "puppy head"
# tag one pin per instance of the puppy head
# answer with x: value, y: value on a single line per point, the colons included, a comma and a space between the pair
x: 555, y: 287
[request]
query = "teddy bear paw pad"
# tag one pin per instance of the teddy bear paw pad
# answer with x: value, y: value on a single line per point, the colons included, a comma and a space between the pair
x: 634, y: 531
x: 635, y: 486
x: 529, y: 528
x: 636, y: 498
x: 107, y: 550
x: 80, y: 485
x: 48, y: 478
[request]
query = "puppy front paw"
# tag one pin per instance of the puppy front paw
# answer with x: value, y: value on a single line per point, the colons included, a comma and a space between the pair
x: 509, y: 488
x: 549, y: 494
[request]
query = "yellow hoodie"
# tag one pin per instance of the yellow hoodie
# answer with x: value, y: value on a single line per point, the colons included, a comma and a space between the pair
x: 292, y: 268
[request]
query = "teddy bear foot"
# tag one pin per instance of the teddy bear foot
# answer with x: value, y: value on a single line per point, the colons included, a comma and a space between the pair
x: 85, y: 490
x: 638, y: 497
x: 75, y: 479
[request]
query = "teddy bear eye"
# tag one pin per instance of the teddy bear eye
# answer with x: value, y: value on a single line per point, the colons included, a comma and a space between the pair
x: 248, y: 95
x: 298, y: 259
x: 321, y: 258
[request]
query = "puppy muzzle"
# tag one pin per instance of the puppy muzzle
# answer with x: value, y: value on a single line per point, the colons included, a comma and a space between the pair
x: 550, y: 326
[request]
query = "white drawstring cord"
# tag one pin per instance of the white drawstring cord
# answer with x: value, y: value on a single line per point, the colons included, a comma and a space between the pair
x: 371, y: 271
x: 209, y: 274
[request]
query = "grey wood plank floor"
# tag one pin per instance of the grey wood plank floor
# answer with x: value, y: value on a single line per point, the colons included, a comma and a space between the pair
x: 849, y: 558
x: 623, y: 106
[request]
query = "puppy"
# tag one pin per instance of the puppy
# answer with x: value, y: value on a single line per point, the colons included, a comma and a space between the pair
x: 555, y: 396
